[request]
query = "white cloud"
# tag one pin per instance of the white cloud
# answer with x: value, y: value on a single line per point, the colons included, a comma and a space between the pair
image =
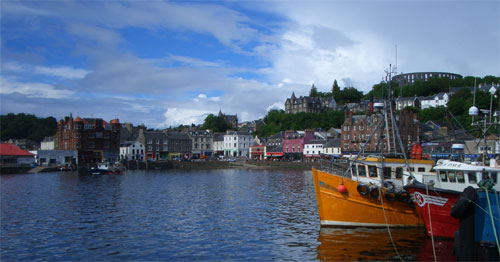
x: 33, y: 89
x: 65, y: 72
x: 177, y: 116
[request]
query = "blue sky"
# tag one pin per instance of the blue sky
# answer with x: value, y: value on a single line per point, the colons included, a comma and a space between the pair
x: 165, y: 63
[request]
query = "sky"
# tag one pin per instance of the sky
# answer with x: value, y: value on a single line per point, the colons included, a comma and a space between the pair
x: 166, y: 63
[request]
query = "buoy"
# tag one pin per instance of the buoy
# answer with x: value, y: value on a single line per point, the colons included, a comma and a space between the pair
x: 342, y: 189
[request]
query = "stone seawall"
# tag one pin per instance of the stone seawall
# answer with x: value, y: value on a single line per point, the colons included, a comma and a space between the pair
x: 219, y: 165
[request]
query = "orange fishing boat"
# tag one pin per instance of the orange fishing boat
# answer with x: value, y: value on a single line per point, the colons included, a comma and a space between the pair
x: 370, y: 194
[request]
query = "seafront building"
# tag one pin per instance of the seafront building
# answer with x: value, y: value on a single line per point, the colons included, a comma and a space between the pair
x: 314, y: 149
x: 202, y: 143
x: 237, y: 144
x: 94, y: 139
x: 294, y: 141
x: 132, y: 150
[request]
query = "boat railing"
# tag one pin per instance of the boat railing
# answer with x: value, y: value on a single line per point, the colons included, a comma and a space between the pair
x: 334, y: 166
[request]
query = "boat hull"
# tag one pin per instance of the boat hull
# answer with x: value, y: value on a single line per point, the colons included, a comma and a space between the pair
x: 353, y: 209
x: 437, y: 203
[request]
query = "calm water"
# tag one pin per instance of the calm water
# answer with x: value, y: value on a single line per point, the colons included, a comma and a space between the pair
x: 250, y: 215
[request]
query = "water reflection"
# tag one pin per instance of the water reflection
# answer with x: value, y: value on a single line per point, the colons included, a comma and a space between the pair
x: 355, y: 244
x: 362, y: 244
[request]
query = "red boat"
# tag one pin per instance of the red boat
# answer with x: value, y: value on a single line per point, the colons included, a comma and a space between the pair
x: 434, y: 199
x: 434, y: 205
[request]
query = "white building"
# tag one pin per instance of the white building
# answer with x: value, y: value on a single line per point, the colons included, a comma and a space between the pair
x: 132, y: 150
x: 237, y: 144
x: 440, y: 99
x: 48, y: 143
x: 314, y: 148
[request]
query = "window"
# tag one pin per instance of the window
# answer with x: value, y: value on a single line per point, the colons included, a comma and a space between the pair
x: 451, y: 176
x: 362, y: 170
x: 460, y: 177
x: 443, y: 176
x: 346, y: 137
x: 346, y: 128
x: 421, y: 169
x: 399, y: 172
x: 98, y: 134
x: 387, y: 172
x: 372, y: 170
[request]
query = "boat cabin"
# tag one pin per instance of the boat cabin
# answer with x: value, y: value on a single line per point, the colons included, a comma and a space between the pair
x: 374, y: 170
x: 457, y: 176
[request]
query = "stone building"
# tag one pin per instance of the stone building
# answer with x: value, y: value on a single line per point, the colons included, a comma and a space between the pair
x: 202, y: 143
x: 410, y: 78
x: 231, y: 119
x: 156, y: 144
x: 95, y: 139
x: 356, y: 131
x: 309, y: 104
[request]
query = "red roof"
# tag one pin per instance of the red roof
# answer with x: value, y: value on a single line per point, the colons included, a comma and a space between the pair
x: 7, y: 149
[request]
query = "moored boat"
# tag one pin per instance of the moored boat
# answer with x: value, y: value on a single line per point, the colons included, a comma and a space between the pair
x: 435, y: 199
x: 370, y: 194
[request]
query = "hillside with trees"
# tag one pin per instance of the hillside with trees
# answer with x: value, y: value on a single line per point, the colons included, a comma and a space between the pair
x: 459, y: 103
x: 277, y: 120
x: 429, y: 87
x: 26, y: 126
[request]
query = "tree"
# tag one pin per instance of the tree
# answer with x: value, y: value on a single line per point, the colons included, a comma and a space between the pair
x: 216, y: 123
x: 26, y: 126
x: 313, y: 92
x: 335, y: 90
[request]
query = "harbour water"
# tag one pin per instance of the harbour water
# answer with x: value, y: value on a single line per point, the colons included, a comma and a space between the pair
x: 179, y: 215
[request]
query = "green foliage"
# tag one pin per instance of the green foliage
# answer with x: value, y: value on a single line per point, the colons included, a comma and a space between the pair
x: 216, y: 123
x: 381, y: 89
x: 349, y: 95
x: 436, y: 114
x: 277, y: 120
x: 26, y: 126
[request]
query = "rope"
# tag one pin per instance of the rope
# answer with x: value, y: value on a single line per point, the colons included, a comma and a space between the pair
x: 387, y: 225
x: 491, y: 217
x: 430, y: 223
